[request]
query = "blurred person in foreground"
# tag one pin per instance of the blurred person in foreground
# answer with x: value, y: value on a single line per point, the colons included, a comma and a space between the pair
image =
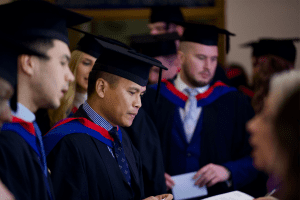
x: 275, y: 135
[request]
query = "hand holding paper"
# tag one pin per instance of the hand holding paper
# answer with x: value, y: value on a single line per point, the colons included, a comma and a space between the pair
x: 211, y: 174
x: 185, y: 187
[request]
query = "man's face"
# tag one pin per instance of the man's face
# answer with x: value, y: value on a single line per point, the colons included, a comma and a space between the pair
x: 53, y: 76
x: 170, y: 62
x: 6, y: 92
x: 123, y: 102
x: 84, y: 68
x: 198, y: 63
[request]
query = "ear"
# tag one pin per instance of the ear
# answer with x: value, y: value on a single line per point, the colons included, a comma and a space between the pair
x: 26, y: 64
x: 180, y: 57
x: 180, y: 30
x: 101, y: 86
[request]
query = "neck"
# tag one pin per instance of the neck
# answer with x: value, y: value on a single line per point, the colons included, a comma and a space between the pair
x: 26, y: 97
x: 96, y: 105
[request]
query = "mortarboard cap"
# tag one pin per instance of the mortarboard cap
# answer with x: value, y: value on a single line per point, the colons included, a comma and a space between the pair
x: 39, y: 19
x: 119, y: 59
x: 155, y: 45
x: 166, y: 14
x: 283, y: 48
x: 89, y: 45
x: 10, y: 49
x: 205, y: 34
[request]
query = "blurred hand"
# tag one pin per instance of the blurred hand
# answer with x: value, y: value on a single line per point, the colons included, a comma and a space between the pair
x: 211, y: 174
x: 160, y: 197
x: 165, y: 196
x: 4, y: 193
x: 169, y: 181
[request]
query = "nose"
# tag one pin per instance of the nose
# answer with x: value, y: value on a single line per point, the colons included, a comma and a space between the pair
x: 69, y: 76
x: 250, y: 126
x: 138, y: 102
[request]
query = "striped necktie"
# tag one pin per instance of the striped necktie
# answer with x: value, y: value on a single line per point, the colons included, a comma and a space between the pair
x: 190, y: 118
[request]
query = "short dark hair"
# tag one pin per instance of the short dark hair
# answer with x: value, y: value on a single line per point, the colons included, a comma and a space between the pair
x: 39, y: 44
x: 95, y: 75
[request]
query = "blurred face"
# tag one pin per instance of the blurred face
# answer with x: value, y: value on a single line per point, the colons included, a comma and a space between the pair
x: 83, y: 70
x: 198, y: 63
x: 161, y: 28
x: 262, y: 140
x: 6, y: 93
x: 170, y: 62
x: 123, y: 102
x: 53, y: 76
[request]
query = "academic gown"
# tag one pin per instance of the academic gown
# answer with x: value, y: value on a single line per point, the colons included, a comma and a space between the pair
x: 20, y: 168
x: 83, y: 168
x: 222, y: 140
x: 144, y: 137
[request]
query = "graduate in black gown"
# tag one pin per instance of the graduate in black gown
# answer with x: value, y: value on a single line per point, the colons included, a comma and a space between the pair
x: 203, y: 133
x: 90, y: 156
x: 10, y: 49
x: 41, y: 83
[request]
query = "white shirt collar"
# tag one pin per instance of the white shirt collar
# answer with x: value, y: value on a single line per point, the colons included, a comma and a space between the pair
x: 24, y: 113
x: 180, y: 85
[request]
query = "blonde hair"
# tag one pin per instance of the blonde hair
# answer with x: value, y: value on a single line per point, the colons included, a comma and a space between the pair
x: 66, y: 102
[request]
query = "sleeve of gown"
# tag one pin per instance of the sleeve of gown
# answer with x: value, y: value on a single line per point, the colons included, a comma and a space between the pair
x: 67, y: 171
x: 242, y: 169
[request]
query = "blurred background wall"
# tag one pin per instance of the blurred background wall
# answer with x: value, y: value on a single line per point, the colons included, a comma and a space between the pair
x: 252, y: 19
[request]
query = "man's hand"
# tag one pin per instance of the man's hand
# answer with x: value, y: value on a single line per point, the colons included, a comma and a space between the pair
x: 169, y: 181
x: 161, y: 197
x: 211, y: 174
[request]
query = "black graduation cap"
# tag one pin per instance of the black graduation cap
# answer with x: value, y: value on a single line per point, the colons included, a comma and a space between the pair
x: 168, y: 14
x: 283, y: 48
x: 39, y: 19
x: 155, y: 45
x: 205, y: 34
x: 119, y: 59
x: 10, y: 49
x: 88, y: 44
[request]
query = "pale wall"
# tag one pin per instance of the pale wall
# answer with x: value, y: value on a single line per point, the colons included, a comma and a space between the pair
x: 252, y: 19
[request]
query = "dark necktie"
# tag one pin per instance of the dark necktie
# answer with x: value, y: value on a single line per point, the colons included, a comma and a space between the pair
x: 120, y: 155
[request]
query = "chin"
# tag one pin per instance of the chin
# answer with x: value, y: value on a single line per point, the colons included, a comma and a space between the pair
x: 126, y: 123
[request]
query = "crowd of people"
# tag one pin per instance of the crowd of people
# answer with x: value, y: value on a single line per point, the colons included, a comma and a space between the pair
x: 112, y: 121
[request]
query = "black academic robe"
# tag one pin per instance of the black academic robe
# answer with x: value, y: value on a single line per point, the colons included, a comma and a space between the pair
x: 144, y: 137
x: 20, y: 170
x: 224, y: 139
x: 83, y: 168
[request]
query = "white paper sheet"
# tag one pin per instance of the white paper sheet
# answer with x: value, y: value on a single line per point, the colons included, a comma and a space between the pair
x: 235, y: 195
x: 185, y: 187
